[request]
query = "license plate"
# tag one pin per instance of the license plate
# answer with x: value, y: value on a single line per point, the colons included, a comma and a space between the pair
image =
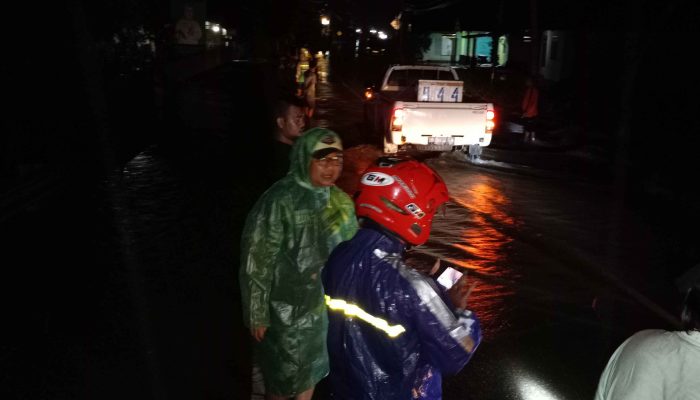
x: 440, y: 91
x: 441, y: 140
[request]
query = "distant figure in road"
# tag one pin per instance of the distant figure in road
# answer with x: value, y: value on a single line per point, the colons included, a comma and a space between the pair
x: 529, y: 109
x: 310, y: 79
x: 658, y: 364
x: 287, y: 238
x: 393, y: 332
x: 187, y: 29
x: 300, y: 67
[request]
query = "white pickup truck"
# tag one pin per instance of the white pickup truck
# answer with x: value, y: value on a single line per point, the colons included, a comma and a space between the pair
x: 422, y: 106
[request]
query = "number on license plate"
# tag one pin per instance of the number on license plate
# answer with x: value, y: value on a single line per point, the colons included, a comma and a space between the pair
x: 441, y: 140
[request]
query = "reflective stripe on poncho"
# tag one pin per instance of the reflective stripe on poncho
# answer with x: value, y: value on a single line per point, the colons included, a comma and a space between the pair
x: 420, y: 338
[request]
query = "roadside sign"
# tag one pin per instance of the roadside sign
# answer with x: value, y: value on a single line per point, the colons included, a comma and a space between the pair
x: 440, y: 91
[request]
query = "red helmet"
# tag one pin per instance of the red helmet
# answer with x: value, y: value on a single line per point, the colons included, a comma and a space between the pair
x: 402, y: 195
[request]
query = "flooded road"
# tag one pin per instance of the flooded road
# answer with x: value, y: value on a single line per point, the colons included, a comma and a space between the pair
x: 565, y: 268
x: 565, y: 272
x: 549, y: 258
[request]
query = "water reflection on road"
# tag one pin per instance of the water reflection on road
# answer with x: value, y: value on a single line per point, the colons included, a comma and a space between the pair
x: 473, y: 236
x: 544, y: 249
x: 537, y: 249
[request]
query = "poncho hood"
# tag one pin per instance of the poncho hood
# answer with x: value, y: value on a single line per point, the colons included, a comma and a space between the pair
x: 303, y: 148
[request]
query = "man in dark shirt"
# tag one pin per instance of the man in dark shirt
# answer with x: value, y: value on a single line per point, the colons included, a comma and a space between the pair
x: 287, y: 124
x: 288, y: 115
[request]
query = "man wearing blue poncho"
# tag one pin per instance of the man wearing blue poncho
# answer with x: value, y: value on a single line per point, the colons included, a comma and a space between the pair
x: 393, y: 331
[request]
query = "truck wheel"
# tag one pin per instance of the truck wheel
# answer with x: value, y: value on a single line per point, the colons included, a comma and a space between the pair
x: 390, y: 148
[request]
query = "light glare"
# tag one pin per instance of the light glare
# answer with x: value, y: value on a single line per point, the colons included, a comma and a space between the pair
x: 531, y: 390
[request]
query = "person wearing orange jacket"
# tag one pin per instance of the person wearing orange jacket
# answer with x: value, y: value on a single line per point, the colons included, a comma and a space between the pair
x: 529, y: 109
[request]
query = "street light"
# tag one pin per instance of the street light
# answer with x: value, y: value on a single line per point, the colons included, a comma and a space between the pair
x: 325, y: 20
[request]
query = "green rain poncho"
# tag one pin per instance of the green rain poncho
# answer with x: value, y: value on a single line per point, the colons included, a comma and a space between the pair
x: 287, y: 239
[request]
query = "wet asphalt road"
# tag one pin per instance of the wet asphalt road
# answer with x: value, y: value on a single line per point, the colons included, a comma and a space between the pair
x: 136, y: 293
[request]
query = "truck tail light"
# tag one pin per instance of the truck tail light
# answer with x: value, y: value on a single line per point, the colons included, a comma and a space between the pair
x: 397, y: 119
x: 490, y: 121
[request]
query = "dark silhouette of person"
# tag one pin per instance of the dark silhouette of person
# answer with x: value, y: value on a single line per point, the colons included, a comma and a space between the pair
x: 288, y: 124
x: 529, y: 108
x: 187, y: 29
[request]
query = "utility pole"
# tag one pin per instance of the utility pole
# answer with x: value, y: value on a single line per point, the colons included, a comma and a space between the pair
x: 535, y: 49
x: 494, y: 40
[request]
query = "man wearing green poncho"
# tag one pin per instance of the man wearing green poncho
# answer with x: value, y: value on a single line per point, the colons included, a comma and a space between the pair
x: 287, y: 238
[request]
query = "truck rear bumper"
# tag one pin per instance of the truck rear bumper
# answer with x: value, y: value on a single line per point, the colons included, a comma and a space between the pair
x: 432, y: 147
x: 423, y: 142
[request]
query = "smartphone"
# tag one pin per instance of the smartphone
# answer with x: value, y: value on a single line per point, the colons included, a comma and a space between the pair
x: 448, y: 277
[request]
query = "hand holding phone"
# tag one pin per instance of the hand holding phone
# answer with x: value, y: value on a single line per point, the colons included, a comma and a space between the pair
x: 460, y: 291
x: 456, y: 283
x: 448, y: 277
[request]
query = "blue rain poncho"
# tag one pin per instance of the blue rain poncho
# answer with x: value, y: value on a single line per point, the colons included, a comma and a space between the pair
x: 286, y: 240
x: 392, y: 331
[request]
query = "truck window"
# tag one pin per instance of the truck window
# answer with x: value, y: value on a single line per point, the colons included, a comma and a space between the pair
x: 445, y: 76
x: 394, y: 78
x: 404, y: 78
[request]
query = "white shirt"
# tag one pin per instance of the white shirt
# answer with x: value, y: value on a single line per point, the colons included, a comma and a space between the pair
x: 653, y: 364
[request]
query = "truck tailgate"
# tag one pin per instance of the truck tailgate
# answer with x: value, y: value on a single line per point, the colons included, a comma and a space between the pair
x: 444, y: 119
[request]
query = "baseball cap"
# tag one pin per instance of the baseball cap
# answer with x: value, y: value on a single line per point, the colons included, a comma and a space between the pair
x: 328, y: 144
